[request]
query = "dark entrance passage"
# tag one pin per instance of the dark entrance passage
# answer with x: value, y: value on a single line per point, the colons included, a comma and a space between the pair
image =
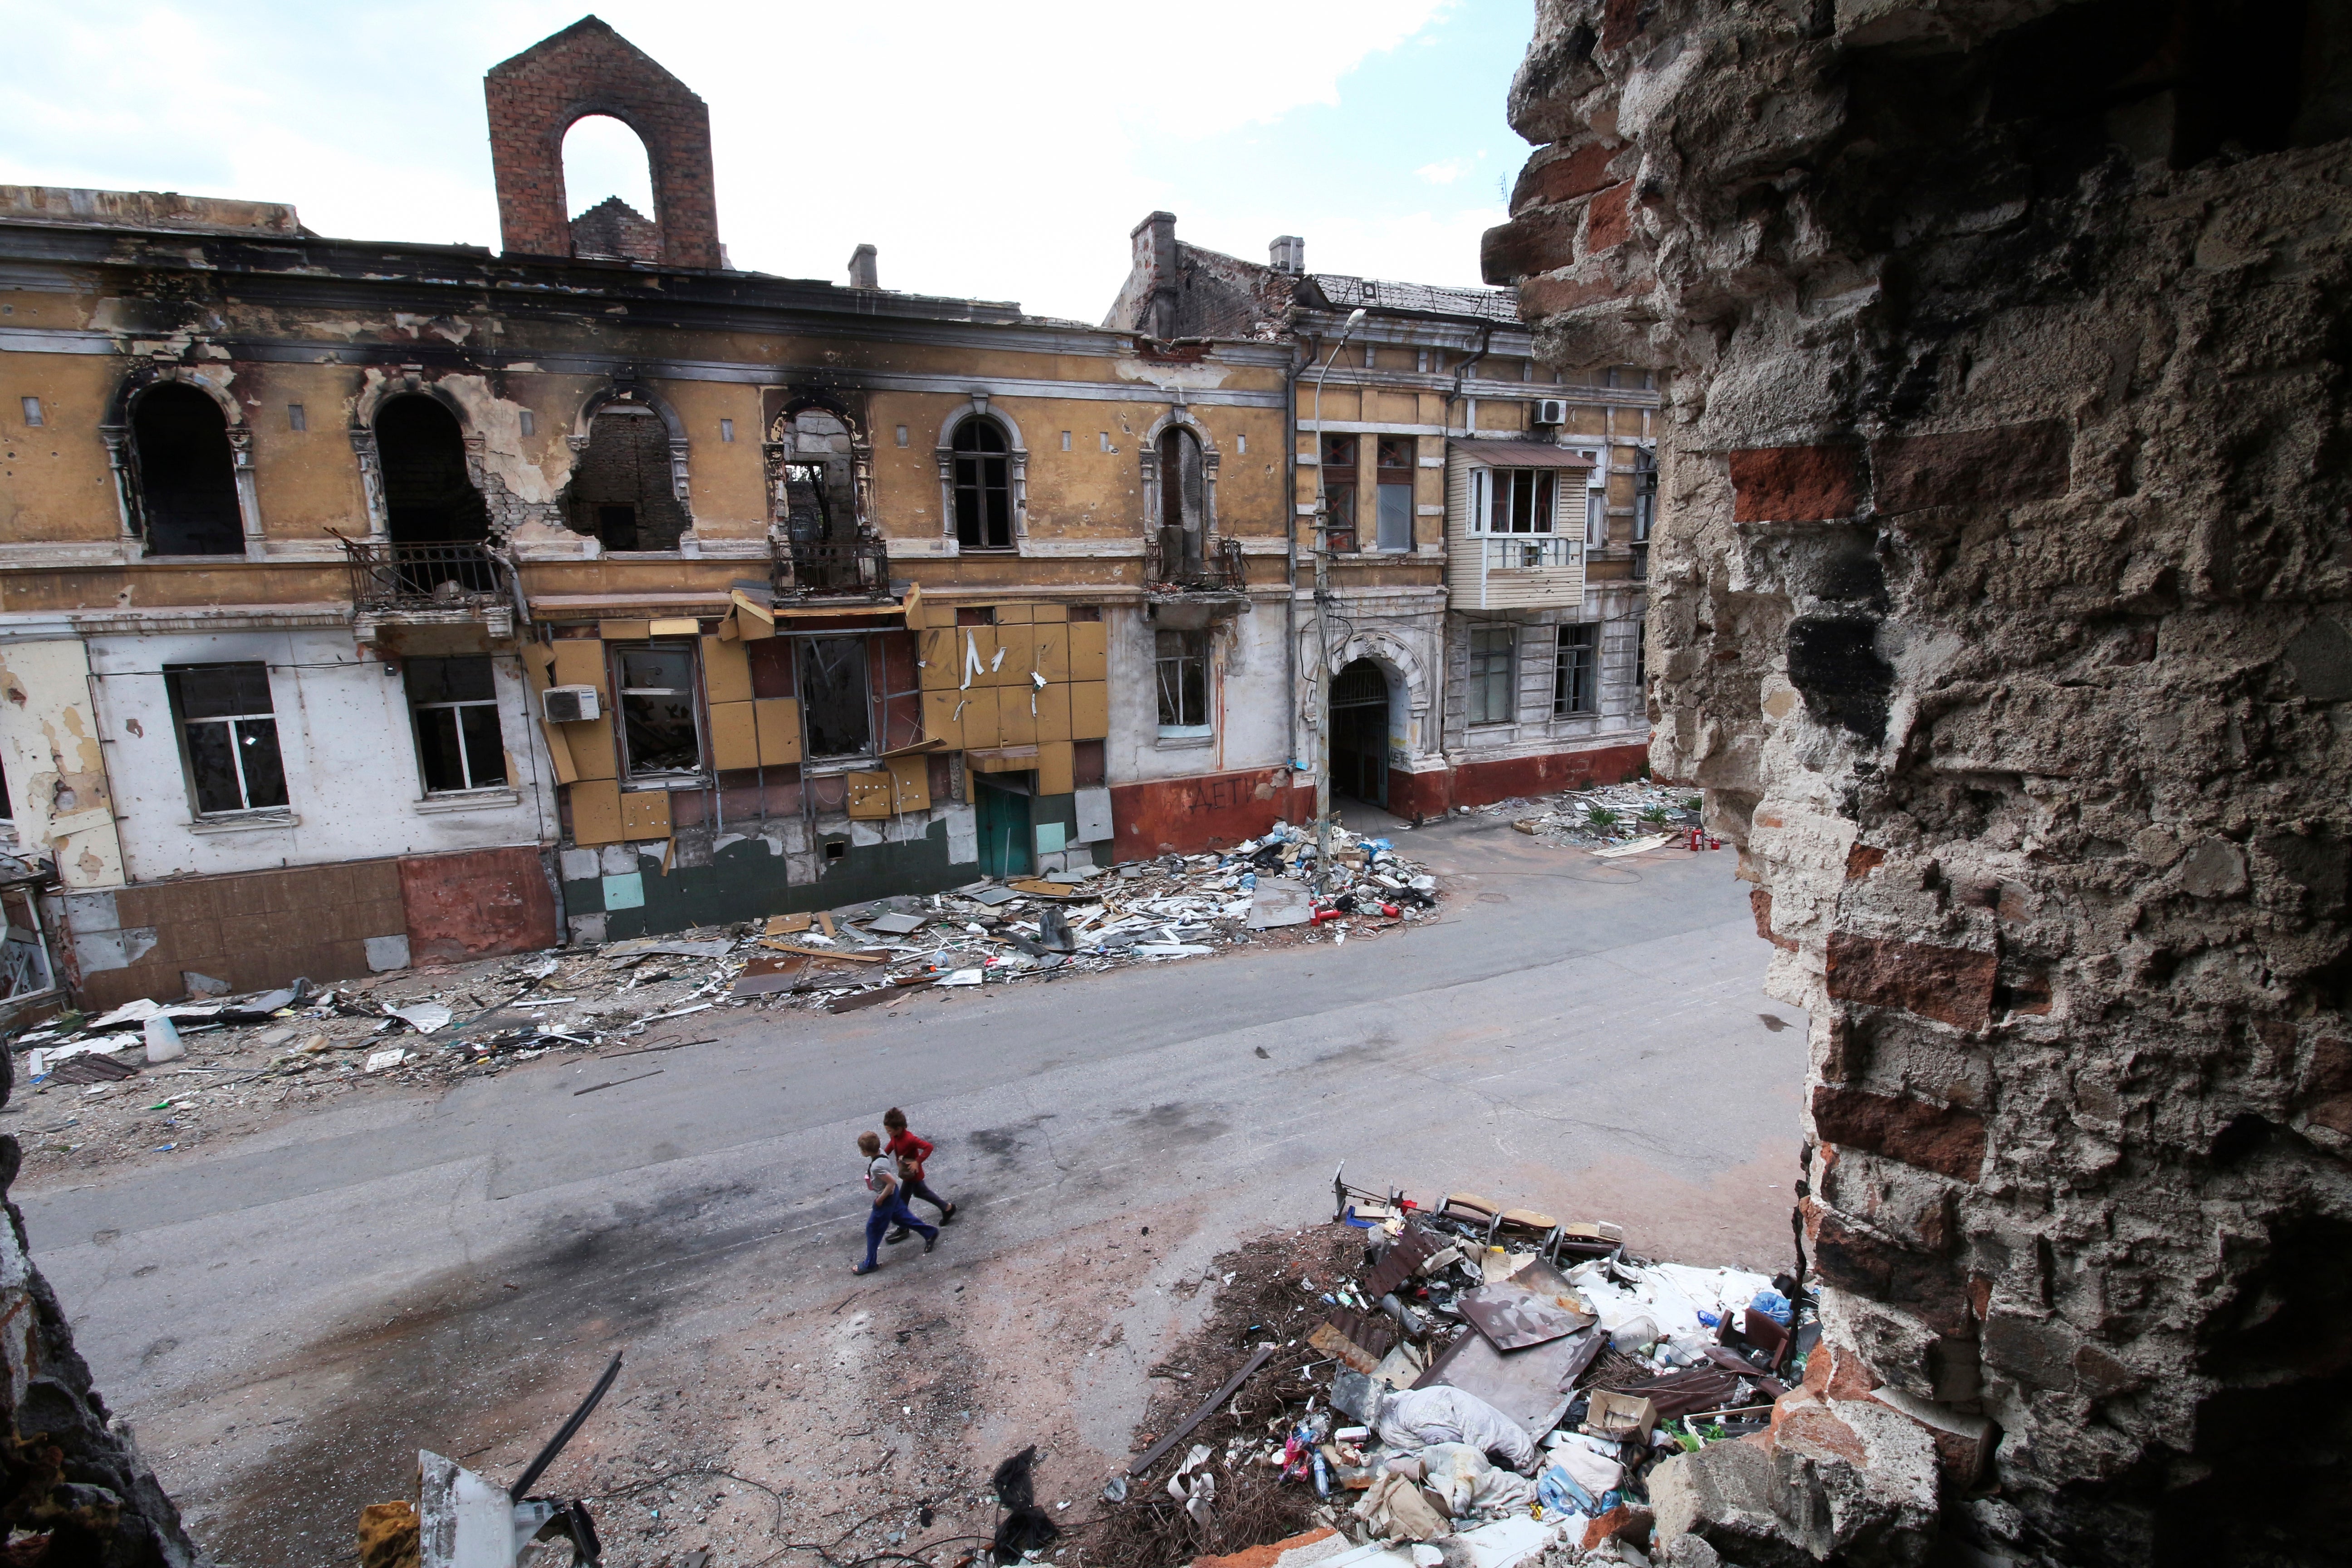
x: 1359, y: 734
x: 1001, y: 811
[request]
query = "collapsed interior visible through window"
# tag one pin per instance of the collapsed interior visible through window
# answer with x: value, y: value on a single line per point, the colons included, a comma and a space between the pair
x: 1183, y: 498
x: 623, y: 490
x: 835, y: 701
x: 228, y: 731
x: 983, y: 486
x: 428, y: 495
x: 659, y: 730
x: 1182, y: 660
x: 456, y: 709
x: 187, y: 475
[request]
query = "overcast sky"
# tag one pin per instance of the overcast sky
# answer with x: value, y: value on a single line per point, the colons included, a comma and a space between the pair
x: 1002, y: 152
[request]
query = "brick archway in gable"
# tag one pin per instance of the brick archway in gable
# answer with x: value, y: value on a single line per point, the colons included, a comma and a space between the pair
x: 588, y: 70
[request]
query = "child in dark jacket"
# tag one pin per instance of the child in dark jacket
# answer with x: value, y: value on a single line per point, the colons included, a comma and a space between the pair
x: 910, y: 1152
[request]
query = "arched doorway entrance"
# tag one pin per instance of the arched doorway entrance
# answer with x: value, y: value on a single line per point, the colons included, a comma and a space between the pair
x: 1359, y: 732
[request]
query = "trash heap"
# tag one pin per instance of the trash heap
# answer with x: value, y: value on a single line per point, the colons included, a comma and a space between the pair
x: 1611, y: 815
x: 1496, y: 1375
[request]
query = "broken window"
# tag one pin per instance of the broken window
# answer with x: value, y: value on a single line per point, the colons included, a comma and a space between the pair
x: 658, y: 732
x: 428, y: 495
x: 453, y: 705
x: 1183, y: 661
x: 622, y: 487
x: 1596, y: 517
x: 1338, y: 470
x: 1645, y: 494
x: 1393, y: 458
x: 1513, y: 500
x: 1184, y: 497
x: 835, y: 703
x: 1493, y: 650
x: 228, y: 732
x: 187, y: 478
x: 1576, y: 678
x: 983, y: 486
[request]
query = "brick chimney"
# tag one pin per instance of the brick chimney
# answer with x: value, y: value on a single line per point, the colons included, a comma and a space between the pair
x: 1155, y: 252
x: 861, y: 273
x: 1287, y: 253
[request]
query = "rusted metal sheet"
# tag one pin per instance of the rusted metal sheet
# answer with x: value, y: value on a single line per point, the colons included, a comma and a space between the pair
x: 477, y: 904
x: 1401, y: 1261
x: 766, y: 974
x: 1532, y: 1386
x: 1353, y: 1338
x: 1514, y: 1316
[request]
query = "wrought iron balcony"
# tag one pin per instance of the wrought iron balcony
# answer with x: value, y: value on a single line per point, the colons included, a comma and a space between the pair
x: 832, y: 569
x: 1218, y: 571
x: 442, y: 576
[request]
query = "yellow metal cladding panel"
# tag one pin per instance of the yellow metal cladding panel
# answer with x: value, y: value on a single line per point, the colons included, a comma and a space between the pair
x: 624, y: 631
x: 596, y: 813
x: 644, y: 814
x: 980, y: 718
x: 1016, y: 615
x: 726, y: 670
x: 1047, y: 614
x: 579, y: 661
x: 734, y: 736
x: 910, y: 783
x: 1089, y: 711
x: 1089, y: 650
x: 591, y: 745
x: 1057, y: 768
x: 869, y: 795
x: 941, y: 652
x: 1017, y: 720
x: 778, y: 720
x: 940, y: 721
x: 1054, y: 712
x: 1050, y: 652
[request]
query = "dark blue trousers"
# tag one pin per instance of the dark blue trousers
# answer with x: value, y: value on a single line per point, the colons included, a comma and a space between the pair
x: 882, y: 1216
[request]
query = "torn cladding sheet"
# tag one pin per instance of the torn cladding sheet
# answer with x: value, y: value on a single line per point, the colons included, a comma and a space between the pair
x: 1514, y: 1316
x: 1279, y: 901
x: 1532, y: 1386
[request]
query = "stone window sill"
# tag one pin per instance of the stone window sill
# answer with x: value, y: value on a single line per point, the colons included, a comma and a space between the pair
x: 470, y: 800
x: 1184, y: 740
x: 253, y: 822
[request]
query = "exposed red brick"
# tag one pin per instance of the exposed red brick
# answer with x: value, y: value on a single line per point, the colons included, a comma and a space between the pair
x: 1562, y: 179
x: 1852, y: 1258
x: 1542, y: 297
x: 1534, y: 243
x: 1760, y: 903
x: 1861, y: 861
x: 1609, y: 219
x: 1950, y: 984
x: 1945, y: 1138
x: 1621, y: 23
x: 2001, y: 466
x: 1626, y: 1519
x: 1793, y: 484
x: 476, y: 904
x: 1267, y: 1555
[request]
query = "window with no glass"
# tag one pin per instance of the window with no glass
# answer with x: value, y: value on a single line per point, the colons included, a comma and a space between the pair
x: 983, y: 486
x: 1339, y: 470
x: 1575, y: 678
x: 229, y: 733
x: 453, y: 705
x: 1182, y: 662
x: 1392, y: 467
x: 836, y: 702
x: 1490, y: 675
x: 187, y: 475
x: 658, y: 734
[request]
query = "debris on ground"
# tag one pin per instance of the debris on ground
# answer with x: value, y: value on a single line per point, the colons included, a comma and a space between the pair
x: 1457, y: 1380
x: 1606, y: 817
x: 429, y: 1027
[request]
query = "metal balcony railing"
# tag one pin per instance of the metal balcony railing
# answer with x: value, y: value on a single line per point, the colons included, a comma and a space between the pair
x: 832, y: 569
x: 442, y: 576
x: 1520, y: 551
x: 1219, y: 570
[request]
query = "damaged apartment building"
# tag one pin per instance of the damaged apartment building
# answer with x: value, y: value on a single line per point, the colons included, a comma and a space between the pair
x: 366, y: 604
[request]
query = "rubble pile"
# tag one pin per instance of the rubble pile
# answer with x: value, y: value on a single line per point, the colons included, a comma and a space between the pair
x: 1490, y: 1373
x: 429, y: 1025
x: 1605, y: 816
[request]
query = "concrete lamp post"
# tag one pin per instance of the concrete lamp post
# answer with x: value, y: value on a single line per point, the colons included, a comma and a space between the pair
x: 1322, y: 625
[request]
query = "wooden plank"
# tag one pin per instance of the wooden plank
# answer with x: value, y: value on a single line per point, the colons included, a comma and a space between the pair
x: 825, y: 923
x: 807, y: 952
x: 1208, y: 1406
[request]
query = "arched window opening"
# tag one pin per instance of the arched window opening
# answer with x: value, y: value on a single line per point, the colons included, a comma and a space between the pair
x: 622, y: 489
x: 187, y: 477
x: 609, y: 183
x: 428, y: 495
x: 1359, y: 732
x: 983, y: 486
x: 1183, y: 498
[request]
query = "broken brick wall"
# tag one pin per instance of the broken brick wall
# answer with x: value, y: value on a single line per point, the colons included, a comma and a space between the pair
x: 2000, y: 602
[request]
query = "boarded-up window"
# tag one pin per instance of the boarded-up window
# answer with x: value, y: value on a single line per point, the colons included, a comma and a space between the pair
x: 835, y: 702
x: 658, y: 736
x: 454, y: 704
x: 428, y: 495
x: 1492, y: 649
x: 622, y: 490
x: 228, y: 735
x: 187, y: 478
x: 1182, y: 664
x: 983, y: 486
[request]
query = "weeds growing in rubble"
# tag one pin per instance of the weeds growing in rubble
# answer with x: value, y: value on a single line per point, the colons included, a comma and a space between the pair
x: 1599, y: 816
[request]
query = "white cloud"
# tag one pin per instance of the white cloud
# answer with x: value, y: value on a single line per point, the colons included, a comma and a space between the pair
x: 987, y: 152
x: 1445, y: 171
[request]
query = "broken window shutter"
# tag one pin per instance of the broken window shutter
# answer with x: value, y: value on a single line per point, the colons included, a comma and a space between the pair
x: 726, y: 671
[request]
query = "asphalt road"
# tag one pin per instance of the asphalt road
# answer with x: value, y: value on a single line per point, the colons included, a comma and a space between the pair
x: 1585, y: 1037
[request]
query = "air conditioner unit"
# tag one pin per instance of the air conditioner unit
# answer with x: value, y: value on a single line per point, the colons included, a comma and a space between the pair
x: 1551, y: 411
x: 569, y: 704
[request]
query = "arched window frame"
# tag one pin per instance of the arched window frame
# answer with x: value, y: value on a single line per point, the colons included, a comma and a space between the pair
x: 776, y: 450
x: 625, y: 392
x: 1149, y: 458
x: 1017, y: 453
x: 364, y: 409
x: 115, y: 431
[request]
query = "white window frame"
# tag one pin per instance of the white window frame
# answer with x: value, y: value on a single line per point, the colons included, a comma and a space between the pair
x: 1510, y: 676
x: 235, y: 752
x: 1483, y: 480
x: 1207, y: 728
x: 630, y: 772
x: 465, y: 762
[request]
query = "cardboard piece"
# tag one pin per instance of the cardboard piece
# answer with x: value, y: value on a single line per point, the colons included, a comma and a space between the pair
x: 1620, y: 1416
x: 778, y: 720
x: 644, y: 814
x: 726, y: 670
x: 1089, y: 709
x: 734, y: 736
x: 596, y: 813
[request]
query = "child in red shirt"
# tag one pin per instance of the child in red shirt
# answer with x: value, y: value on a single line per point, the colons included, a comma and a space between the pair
x: 910, y: 1152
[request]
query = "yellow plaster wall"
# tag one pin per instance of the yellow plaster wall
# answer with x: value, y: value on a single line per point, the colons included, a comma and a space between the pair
x: 54, y: 485
x: 56, y: 765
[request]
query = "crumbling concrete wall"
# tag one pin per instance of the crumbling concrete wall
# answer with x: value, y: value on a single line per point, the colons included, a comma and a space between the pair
x: 2001, y: 604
